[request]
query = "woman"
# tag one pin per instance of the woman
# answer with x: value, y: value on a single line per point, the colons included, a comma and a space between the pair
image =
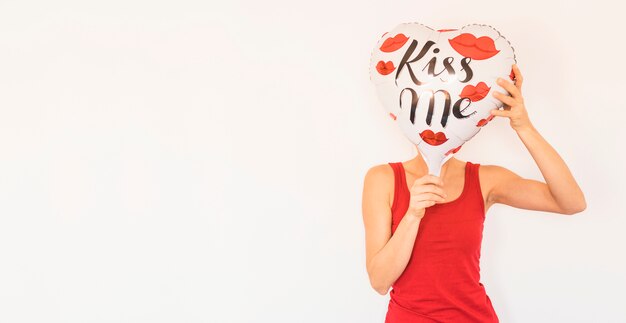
x: 423, y: 233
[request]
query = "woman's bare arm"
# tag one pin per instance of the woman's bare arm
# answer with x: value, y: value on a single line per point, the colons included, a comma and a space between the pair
x: 513, y: 190
x: 386, y: 255
x: 560, y: 193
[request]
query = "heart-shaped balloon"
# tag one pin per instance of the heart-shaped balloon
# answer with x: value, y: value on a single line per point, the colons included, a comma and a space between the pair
x: 436, y: 83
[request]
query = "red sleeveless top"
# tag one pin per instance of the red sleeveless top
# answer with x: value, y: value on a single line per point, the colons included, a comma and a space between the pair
x: 441, y: 282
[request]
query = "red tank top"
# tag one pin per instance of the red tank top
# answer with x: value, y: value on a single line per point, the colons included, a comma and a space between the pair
x: 441, y: 282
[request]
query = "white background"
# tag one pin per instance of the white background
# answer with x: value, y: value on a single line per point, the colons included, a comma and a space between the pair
x: 193, y: 161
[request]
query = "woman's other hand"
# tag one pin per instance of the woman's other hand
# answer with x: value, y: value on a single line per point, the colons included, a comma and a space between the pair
x: 426, y: 191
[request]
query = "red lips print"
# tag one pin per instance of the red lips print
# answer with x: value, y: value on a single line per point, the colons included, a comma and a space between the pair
x: 475, y: 48
x: 433, y: 139
x: 483, y: 122
x: 475, y: 93
x: 393, y: 43
x: 385, y: 68
x: 453, y: 150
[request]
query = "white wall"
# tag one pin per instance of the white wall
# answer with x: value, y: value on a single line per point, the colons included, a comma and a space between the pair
x: 188, y: 161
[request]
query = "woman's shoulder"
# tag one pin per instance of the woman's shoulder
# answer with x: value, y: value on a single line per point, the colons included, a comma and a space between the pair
x: 380, y: 171
x: 491, y: 175
x: 494, y: 171
x: 379, y: 179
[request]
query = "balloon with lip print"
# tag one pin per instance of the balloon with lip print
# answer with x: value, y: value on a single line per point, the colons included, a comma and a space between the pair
x: 437, y: 84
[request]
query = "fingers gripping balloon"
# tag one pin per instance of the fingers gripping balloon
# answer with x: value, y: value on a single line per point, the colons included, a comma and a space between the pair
x: 434, y: 83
